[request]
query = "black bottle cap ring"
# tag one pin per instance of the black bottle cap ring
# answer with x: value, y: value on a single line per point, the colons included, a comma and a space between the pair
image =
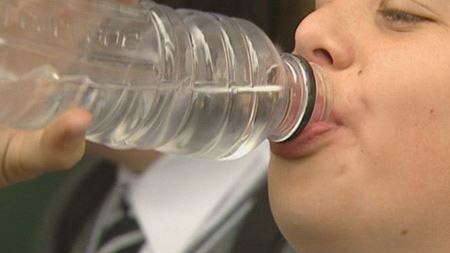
x: 311, y: 88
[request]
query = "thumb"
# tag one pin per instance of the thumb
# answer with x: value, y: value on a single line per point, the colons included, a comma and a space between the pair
x: 58, y: 146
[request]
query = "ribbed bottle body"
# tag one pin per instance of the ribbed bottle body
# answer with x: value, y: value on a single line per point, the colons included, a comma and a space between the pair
x: 178, y: 81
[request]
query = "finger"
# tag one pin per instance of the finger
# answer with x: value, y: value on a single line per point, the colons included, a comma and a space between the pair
x: 59, y: 146
x: 63, y: 142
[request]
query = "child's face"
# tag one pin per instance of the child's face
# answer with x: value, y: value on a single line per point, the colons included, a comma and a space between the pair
x: 379, y: 181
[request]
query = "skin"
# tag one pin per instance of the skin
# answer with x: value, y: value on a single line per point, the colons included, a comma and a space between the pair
x: 380, y: 180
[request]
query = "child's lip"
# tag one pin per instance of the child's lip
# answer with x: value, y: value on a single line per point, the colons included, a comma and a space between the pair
x: 310, y: 139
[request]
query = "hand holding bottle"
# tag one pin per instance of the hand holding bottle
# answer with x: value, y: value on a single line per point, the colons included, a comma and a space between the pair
x: 27, y: 154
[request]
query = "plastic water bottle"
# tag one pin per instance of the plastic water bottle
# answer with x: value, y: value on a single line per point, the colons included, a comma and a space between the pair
x: 178, y: 81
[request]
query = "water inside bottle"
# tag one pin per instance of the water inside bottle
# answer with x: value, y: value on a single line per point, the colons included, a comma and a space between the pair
x: 182, y: 117
x: 202, y: 118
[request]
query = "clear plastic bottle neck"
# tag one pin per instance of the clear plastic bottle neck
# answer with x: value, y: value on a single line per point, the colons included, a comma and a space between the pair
x: 310, y: 98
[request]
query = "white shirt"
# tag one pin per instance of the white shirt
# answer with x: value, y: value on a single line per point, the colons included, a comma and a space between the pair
x: 180, y: 200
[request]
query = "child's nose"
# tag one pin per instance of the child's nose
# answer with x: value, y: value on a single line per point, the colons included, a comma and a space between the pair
x: 323, y: 38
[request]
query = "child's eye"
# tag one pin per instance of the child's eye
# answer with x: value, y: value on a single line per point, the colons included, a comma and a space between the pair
x: 401, y: 21
x: 398, y: 16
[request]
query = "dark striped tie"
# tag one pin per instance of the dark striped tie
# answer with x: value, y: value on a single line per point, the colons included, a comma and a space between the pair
x: 123, y: 234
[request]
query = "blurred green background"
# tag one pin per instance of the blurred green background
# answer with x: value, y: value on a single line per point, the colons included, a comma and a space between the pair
x: 22, y: 205
x: 21, y: 208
